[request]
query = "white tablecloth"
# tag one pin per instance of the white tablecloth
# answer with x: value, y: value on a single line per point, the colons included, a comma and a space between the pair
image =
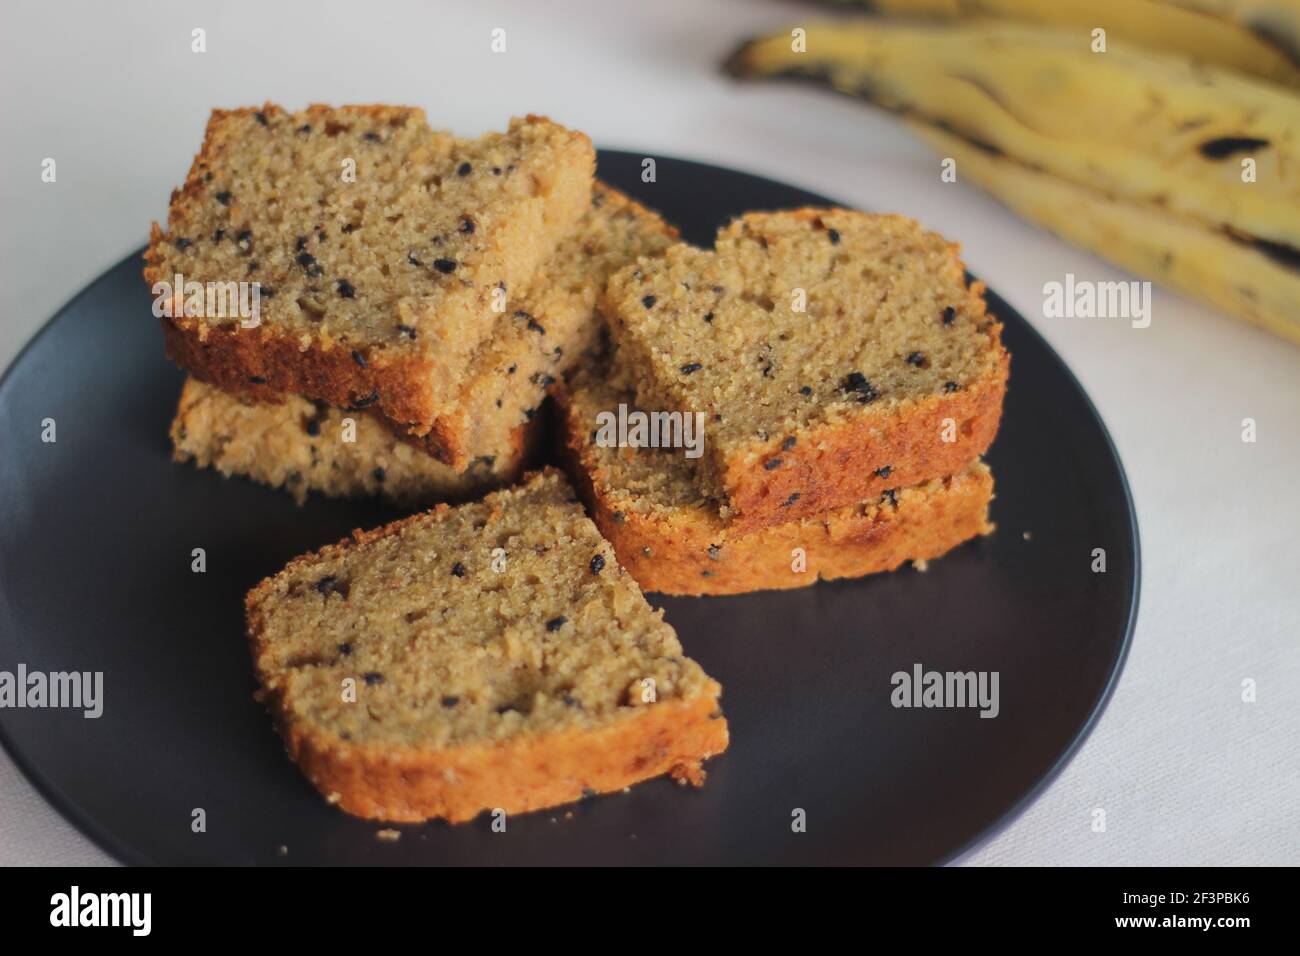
x: 1185, y: 770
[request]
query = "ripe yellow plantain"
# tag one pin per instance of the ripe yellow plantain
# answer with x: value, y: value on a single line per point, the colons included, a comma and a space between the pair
x: 1145, y: 127
x: 1257, y: 37
x: 1250, y: 280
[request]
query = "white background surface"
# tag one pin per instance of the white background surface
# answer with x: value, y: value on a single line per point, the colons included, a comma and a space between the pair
x: 1186, y: 772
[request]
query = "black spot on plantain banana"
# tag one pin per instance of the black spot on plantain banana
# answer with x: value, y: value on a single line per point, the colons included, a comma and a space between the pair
x: 1282, y: 254
x: 1225, y: 146
x: 1286, y: 256
x: 1251, y: 278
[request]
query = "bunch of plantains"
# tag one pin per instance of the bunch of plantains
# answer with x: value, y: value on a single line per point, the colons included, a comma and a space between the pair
x: 1163, y: 136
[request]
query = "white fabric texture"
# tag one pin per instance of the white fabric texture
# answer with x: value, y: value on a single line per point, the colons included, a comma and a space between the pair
x: 1186, y: 772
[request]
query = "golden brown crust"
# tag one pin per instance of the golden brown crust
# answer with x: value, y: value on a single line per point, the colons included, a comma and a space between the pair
x: 673, y: 558
x: 260, y: 365
x: 517, y: 775
x: 689, y: 551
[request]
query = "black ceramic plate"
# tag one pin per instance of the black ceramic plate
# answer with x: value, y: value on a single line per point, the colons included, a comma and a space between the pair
x: 95, y: 575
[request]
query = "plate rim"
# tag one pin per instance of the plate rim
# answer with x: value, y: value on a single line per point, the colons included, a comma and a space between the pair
x: 88, y: 827
x: 1049, y: 776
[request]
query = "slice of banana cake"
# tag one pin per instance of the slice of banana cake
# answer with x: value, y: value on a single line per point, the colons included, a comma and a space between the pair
x: 834, y: 355
x: 493, y: 655
x: 383, y: 249
x: 671, y: 537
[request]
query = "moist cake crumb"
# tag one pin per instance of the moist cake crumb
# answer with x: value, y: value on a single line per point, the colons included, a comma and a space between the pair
x: 512, y: 371
x: 485, y: 701
x: 866, y: 345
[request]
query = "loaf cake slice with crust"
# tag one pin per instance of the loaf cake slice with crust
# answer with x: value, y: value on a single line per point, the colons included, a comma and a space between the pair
x: 554, y: 322
x: 304, y: 446
x: 834, y: 354
x: 417, y: 671
x: 671, y: 537
x: 382, y: 249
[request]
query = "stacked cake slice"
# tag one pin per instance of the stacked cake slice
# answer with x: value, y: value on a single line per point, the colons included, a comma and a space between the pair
x: 414, y: 290
x: 848, y: 380
x: 381, y: 247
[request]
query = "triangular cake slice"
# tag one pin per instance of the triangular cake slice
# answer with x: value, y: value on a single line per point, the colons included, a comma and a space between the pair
x: 489, y: 656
